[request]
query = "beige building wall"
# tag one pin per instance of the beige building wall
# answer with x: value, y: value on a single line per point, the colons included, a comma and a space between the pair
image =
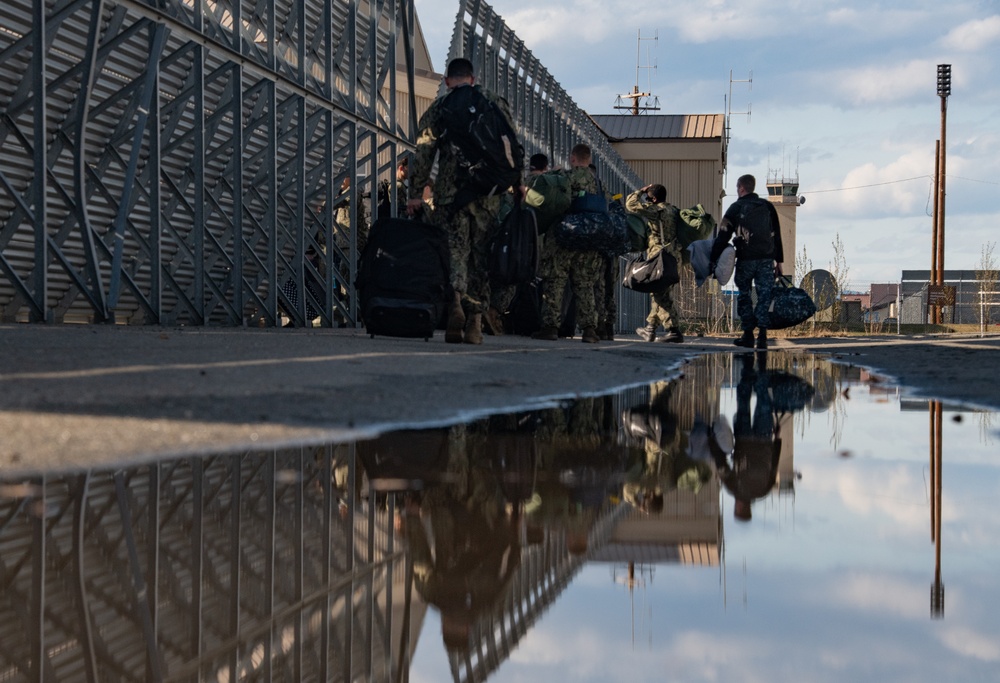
x: 692, y: 171
x: 786, y: 215
x: 784, y: 194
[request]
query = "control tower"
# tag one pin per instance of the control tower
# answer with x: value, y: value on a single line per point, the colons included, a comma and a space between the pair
x: 784, y: 194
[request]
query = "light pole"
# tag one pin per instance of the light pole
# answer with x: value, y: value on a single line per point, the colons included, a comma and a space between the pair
x: 943, y: 91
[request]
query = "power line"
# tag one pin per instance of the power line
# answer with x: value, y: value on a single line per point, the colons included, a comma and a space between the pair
x: 975, y: 180
x: 903, y: 180
x: 861, y: 187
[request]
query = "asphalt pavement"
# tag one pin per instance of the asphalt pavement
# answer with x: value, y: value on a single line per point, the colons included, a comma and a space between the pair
x: 87, y: 396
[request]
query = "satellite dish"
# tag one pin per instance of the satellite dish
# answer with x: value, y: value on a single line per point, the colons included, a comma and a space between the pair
x: 802, y: 200
x: 822, y: 287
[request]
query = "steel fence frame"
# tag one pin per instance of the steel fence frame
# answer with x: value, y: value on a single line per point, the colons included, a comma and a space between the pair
x: 188, y: 167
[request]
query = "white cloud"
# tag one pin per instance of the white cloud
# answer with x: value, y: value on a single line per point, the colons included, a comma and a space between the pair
x: 969, y: 643
x: 880, y: 84
x: 974, y: 35
x: 889, y: 189
x: 881, y: 595
x: 900, y: 499
x: 548, y: 23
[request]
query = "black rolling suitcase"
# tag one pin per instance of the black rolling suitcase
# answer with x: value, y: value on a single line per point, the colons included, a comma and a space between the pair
x: 403, y: 278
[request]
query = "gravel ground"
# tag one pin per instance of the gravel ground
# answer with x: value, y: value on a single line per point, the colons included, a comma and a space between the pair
x: 85, y: 396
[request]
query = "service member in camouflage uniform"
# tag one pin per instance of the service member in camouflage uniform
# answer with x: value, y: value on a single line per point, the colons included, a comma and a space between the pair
x: 650, y: 202
x: 502, y: 296
x: 604, y: 291
x: 580, y: 268
x: 759, y: 254
x: 469, y: 227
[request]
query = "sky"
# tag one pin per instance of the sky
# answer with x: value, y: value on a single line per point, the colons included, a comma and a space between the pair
x: 841, y: 94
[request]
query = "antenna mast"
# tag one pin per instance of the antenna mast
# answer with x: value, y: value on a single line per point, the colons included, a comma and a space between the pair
x: 633, y: 101
x: 729, y: 109
x: 729, y: 102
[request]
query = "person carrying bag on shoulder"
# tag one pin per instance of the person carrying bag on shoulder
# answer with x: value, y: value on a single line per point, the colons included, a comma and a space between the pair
x: 650, y: 203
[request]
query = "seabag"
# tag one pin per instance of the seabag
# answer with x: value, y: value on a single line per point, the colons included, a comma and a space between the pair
x: 790, y: 305
x: 592, y: 231
x: 514, y: 252
x: 549, y: 196
x: 693, y: 224
x: 486, y: 147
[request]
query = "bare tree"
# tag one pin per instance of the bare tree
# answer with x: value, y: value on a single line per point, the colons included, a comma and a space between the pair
x: 988, y: 277
x: 803, y: 264
x: 840, y: 270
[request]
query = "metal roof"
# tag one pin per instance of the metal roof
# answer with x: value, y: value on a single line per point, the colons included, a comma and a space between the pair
x: 660, y: 127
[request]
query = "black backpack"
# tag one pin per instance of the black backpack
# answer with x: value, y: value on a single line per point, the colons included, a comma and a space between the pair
x: 754, y: 238
x: 514, y: 250
x: 482, y: 141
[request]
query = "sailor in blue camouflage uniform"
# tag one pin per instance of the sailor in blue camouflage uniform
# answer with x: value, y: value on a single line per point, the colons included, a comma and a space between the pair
x: 752, y: 223
x: 469, y: 227
x: 650, y: 202
x: 580, y: 268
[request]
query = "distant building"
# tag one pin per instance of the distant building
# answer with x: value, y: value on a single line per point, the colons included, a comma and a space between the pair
x: 686, y: 153
x: 882, y: 302
x: 784, y: 194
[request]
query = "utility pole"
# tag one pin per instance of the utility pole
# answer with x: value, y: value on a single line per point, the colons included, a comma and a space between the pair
x: 934, y: 225
x: 943, y: 91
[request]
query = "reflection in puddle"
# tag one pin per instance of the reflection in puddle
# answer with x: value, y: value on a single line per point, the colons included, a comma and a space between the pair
x: 764, y: 516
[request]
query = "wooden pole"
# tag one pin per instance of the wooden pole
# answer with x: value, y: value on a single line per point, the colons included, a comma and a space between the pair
x: 933, y: 312
x: 941, y: 193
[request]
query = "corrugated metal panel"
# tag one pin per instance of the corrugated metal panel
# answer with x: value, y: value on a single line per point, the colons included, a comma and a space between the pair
x: 687, y: 182
x: 661, y: 127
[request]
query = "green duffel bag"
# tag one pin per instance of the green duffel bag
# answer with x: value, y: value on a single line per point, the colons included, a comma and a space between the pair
x: 549, y: 195
x: 638, y: 232
x: 694, y: 224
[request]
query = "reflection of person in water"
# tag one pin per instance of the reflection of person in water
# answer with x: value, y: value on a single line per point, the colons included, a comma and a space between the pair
x: 752, y: 470
x: 665, y: 464
x: 463, y: 538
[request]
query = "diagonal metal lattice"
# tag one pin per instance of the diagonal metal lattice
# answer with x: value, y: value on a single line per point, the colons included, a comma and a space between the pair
x: 171, y: 161
x: 221, y: 568
x: 174, y: 161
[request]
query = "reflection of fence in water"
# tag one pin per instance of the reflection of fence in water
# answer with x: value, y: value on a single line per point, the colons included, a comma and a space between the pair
x: 195, y: 567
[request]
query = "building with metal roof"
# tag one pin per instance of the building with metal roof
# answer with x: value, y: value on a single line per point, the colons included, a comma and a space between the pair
x: 686, y: 153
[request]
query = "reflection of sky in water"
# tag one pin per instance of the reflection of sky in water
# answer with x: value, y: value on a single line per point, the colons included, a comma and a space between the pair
x: 829, y: 583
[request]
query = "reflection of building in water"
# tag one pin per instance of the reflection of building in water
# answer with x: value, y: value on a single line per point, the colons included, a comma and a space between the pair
x: 547, y: 568
x: 218, y: 568
x: 687, y: 531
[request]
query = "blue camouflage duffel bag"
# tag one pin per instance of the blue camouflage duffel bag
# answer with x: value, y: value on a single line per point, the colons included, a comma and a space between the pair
x: 606, y: 233
x: 790, y: 305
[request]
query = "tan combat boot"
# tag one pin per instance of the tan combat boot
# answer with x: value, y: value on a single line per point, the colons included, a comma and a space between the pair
x: 474, y: 329
x: 547, y: 333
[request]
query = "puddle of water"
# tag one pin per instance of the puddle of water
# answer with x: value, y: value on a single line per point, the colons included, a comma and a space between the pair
x: 765, y: 516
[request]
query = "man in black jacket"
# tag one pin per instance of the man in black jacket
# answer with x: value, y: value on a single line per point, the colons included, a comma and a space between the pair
x: 759, y: 254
